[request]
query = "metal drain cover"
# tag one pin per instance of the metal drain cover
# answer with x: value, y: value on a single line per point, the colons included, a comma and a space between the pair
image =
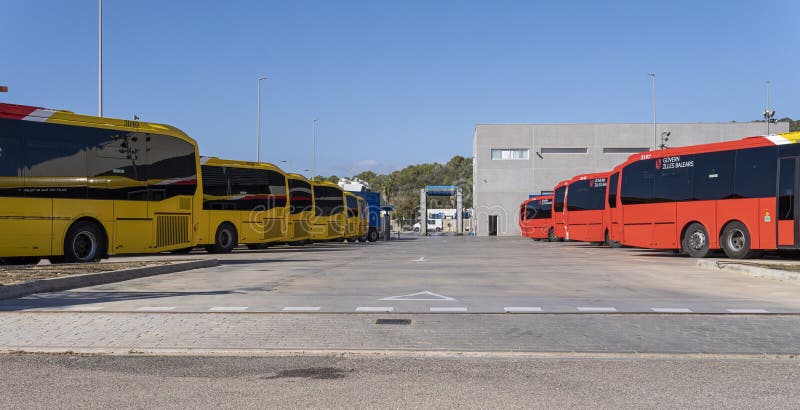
x: 393, y: 322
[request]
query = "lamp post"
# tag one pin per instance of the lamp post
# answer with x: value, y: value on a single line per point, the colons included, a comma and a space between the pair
x: 258, y: 138
x: 768, y: 114
x: 314, y: 149
x: 655, y: 131
x: 100, y: 59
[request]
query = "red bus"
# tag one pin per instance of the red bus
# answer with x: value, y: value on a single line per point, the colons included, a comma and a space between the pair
x: 558, y: 232
x: 585, y: 206
x: 738, y: 196
x: 535, y: 217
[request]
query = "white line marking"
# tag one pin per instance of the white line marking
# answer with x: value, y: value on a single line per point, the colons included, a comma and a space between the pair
x: 300, y: 309
x: 597, y: 309
x: 448, y: 309
x: 228, y: 308
x: 87, y: 308
x: 374, y: 309
x: 431, y: 296
x: 747, y: 310
x: 671, y: 310
x: 422, y: 259
x: 155, y: 308
x: 513, y: 309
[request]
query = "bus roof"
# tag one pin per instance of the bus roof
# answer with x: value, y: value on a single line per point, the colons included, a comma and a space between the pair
x: 298, y: 177
x: 747, y: 142
x: 239, y: 164
x: 582, y: 177
x: 64, y: 117
x: 560, y: 184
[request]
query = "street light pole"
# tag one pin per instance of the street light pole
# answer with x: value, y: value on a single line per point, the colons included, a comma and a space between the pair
x: 258, y: 137
x: 314, y: 150
x: 100, y: 60
x: 655, y: 130
x: 768, y: 119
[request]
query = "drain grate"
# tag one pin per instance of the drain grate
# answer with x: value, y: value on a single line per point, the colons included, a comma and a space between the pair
x: 393, y: 322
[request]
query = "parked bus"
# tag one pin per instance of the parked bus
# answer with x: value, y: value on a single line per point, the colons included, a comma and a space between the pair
x: 536, y: 217
x: 243, y: 203
x: 558, y: 232
x: 77, y: 188
x: 301, y: 209
x: 329, y: 219
x: 352, y: 229
x: 739, y: 196
x: 585, y: 206
x: 363, y: 219
x: 611, y: 213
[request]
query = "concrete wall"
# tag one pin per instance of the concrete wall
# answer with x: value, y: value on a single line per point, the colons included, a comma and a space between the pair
x: 499, y: 186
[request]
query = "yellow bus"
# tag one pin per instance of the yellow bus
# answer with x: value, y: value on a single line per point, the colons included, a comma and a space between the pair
x: 76, y: 188
x: 329, y: 221
x: 301, y: 209
x: 243, y: 203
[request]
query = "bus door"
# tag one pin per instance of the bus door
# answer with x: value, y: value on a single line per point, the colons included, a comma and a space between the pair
x: 614, y: 223
x: 127, y: 153
x: 788, y: 202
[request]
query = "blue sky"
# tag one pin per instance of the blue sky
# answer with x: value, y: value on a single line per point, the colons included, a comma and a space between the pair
x: 398, y: 83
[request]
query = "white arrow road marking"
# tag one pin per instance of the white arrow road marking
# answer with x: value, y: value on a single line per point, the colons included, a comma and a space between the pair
x: 424, y: 295
x: 421, y: 259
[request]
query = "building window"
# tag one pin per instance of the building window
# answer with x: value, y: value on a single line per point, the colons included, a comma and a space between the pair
x: 620, y: 150
x: 565, y: 150
x: 510, y: 153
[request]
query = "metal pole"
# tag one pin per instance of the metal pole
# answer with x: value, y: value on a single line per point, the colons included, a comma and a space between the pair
x: 768, y: 118
x: 258, y: 137
x: 655, y: 129
x: 100, y: 60
x: 314, y: 150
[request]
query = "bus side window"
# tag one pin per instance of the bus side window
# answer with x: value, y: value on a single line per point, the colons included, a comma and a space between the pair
x: 756, y: 169
x: 637, y: 182
x: 612, y: 190
x: 713, y: 175
x: 10, y: 163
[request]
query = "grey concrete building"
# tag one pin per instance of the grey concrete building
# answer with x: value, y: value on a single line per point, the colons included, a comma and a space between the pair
x: 512, y: 161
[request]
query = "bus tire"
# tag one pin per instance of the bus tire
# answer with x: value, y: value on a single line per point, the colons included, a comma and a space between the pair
x: 84, y: 242
x: 695, y: 241
x: 351, y: 240
x: 612, y: 244
x: 225, y: 239
x: 362, y: 238
x: 20, y: 260
x: 551, y: 235
x: 372, y: 235
x: 735, y: 241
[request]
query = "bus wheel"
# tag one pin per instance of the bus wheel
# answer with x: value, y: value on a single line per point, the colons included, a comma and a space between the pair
x: 551, y: 235
x: 372, y: 235
x: 84, y: 242
x: 225, y: 240
x: 255, y: 246
x: 351, y: 240
x: 695, y: 241
x: 612, y: 244
x: 20, y: 260
x: 362, y: 238
x: 735, y: 241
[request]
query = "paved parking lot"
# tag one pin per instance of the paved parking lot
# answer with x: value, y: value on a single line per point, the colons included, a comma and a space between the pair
x: 440, y: 274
